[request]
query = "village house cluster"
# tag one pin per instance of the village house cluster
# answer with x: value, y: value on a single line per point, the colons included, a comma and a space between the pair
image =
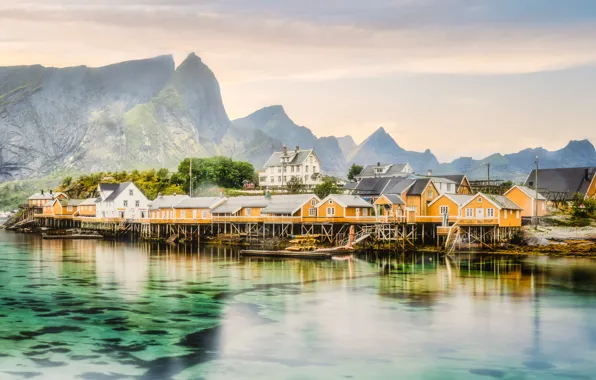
x: 383, y: 193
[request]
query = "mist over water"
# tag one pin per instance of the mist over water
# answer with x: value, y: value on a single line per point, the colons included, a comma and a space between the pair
x: 112, y: 310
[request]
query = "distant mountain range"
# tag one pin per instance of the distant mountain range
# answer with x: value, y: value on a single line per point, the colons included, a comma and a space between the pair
x: 148, y: 113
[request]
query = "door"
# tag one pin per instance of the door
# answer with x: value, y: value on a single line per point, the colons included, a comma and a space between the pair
x: 357, y: 212
x: 479, y: 213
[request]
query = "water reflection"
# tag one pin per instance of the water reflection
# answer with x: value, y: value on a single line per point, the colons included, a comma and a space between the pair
x: 96, y: 310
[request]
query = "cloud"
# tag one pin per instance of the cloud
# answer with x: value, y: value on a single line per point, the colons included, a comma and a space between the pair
x: 275, y: 40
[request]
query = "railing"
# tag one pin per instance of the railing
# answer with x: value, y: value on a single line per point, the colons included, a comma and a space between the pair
x: 477, y: 221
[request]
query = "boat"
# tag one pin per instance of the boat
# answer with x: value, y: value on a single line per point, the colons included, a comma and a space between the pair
x: 318, y: 254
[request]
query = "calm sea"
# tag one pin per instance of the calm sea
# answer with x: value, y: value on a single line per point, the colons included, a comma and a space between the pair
x: 111, y: 310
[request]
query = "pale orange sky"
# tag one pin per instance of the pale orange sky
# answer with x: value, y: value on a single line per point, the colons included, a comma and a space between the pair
x: 429, y: 71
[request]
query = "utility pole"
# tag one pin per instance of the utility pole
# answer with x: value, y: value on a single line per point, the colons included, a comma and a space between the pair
x: 536, y: 196
x: 190, y: 177
x: 489, y: 189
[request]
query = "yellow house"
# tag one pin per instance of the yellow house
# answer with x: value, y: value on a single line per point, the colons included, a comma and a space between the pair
x: 447, y: 204
x: 162, y: 207
x: 463, y: 187
x: 391, y: 207
x: 244, y: 208
x: 488, y: 209
x: 197, y: 209
x: 344, y: 208
x: 87, y: 208
x: 526, y: 198
x: 417, y: 193
x: 62, y: 207
x: 296, y: 206
x: 40, y: 199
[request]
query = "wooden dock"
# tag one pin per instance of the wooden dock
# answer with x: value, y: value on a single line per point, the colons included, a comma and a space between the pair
x: 320, y: 254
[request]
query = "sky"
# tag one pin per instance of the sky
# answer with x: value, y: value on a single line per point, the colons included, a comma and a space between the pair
x: 459, y: 77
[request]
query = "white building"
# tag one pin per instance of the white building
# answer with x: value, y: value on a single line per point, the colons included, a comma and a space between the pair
x: 285, y: 165
x: 121, y: 200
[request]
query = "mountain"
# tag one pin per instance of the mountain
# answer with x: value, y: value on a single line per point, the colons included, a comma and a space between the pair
x: 516, y: 166
x: 275, y: 123
x: 381, y: 147
x: 347, y: 145
x: 135, y: 114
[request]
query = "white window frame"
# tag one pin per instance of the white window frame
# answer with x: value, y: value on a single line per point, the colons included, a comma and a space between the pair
x: 69, y: 208
x: 444, y: 210
x: 131, y: 192
x: 517, y: 214
x: 429, y: 194
x: 183, y: 214
x: 312, y: 211
x: 479, y: 200
x: 248, y: 211
x: 125, y: 203
x: 505, y: 215
x: 330, y: 211
x: 469, y: 212
x: 137, y: 203
x: 313, y: 202
x: 204, y: 214
x: 490, y: 213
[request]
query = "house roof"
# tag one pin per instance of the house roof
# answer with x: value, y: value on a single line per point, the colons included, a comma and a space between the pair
x: 287, y: 204
x: 199, y: 202
x: 529, y: 192
x: 458, y: 178
x: 458, y: 199
x: 166, y: 201
x: 376, y: 186
x: 389, y: 170
x: 401, y: 186
x: 563, y: 180
x: 89, y: 202
x: 235, y: 204
x: 71, y: 202
x: 293, y: 157
x: 419, y: 186
x: 394, y: 199
x: 40, y: 196
x: 115, y: 188
x: 347, y: 201
x: 503, y: 202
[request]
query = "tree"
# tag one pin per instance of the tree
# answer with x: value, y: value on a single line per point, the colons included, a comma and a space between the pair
x: 295, y: 185
x: 355, y: 169
x: 327, y: 187
x: 582, y: 207
x: 66, y: 182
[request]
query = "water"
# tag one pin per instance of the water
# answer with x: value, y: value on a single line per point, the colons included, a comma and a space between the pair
x: 104, y: 310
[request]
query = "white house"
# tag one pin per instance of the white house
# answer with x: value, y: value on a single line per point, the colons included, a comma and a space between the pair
x: 285, y: 165
x: 121, y: 200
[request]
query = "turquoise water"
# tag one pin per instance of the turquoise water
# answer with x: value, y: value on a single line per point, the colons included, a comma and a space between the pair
x: 105, y: 310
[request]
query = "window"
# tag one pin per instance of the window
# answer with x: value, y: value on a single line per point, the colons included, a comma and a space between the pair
x: 306, y: 168
x: 285, y: 179
x: 330, y: 201
x: 279, y: 169
x: 505, y: 215
x: 125, y: 203
x: 490, y: 212
x: 330, y: 211
x: 444, y: 210
x: 194, y: 214
x: 469, y: 213
x: 137, y: 203
x: 312, y: 212
x: 183, y: 214
x: 430, y: 194
x: 517, y: 214
x: 69, y: 208
x: 279, y: 179
x: 479, y: 199
x: 313, y: 202
x: 364, y: 212
x: 204, y: 215
x: 248, y: 211
x: 292, y: 169
x: 272, y: 179
x: 131, y: 192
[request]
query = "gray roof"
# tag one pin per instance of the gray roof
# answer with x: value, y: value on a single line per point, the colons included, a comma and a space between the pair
x: 453, y: 177
x: 503, y: 202
x: 235, y: 204
x: 115, y: 188
x: 419, y: 186
x: 567, y: 181
x: 401, y: 186
x: 395, y: 199
x: 376, y: 186
x: 529, y: 192
x: 166, y: 201
x: 459, y: 198
x: 199, y: 202
x: 293, y: 157
x: 348, y: 200
x: 286, y: 204
x: 89, y: 202
x: 74, y: 202
x: 40, y: 196
x: 393, y: 170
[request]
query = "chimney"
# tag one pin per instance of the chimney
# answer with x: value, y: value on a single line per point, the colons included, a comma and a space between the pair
x: 297, y: 148
x: 221, y: 194
x: 159, y: 195
x: 430, y: 173
x: 587, y: 174
x: 51, y: 192
x: 378, y: 164
x: 41, y: 191
x: 285, y: 149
